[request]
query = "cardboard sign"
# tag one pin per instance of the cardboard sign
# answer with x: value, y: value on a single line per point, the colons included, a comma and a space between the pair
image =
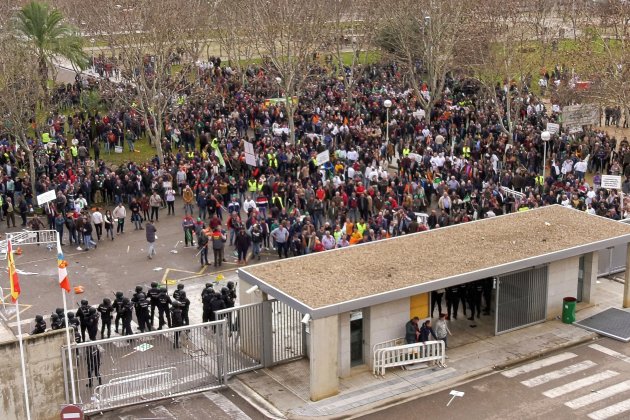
x: 579, y: 115
x: 46, y: 197
x: 249, y: 148
x: 323, y: 157
x: 167, y: 184
x: 611, y: 182
x: 250, y: 159
x: 553, y: 128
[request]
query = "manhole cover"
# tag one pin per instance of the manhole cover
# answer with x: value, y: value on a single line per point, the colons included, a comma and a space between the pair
x: 613, y: 323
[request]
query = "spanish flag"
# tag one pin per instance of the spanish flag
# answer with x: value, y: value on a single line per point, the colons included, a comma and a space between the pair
x: 64, y: 283
x: 13, y: 276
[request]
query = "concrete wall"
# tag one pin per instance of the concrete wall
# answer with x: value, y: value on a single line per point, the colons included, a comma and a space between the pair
x: 386, y: 322
x: 44, y: 372
x: 591, y: 262
x: 563, y: 282
x: 344, y: 345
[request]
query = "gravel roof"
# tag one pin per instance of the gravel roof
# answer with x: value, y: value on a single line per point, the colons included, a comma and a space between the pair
x: 332, y: 277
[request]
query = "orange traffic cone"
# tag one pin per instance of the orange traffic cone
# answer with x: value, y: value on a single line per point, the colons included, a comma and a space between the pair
x: 18, y: 251
x: 78, y: 290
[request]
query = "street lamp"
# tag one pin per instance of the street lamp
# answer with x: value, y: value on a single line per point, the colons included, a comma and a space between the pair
x: 279, y: 82
x: 387, y: 103
x: 545, y: 136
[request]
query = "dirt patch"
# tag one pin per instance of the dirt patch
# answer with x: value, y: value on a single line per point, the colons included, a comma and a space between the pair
x: 337, y: 276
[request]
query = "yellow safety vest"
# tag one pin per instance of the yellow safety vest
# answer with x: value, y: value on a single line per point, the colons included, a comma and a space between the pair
x: 259, y: 186
x: 277, y: 198
x: 74, y: 150
x: 45, y: 138
x: 540, y: 180
x: 251, y: 185
x: 466, y: 151
x: 191, y: 155
x: 405, y: 153
x: 273, y: 162
x: 361, y: 227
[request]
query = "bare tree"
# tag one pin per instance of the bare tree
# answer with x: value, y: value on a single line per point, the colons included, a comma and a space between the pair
x: 422, y: 36
x: 289, y: 34
x: 20, y: 95
x: 232, y: 20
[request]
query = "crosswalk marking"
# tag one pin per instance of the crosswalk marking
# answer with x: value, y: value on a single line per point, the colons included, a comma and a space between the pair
x: 602, y: 394
x: 539, y: 364
x: 610, y: 411
x: 611, y: 352
x: 557, y: 374
x: 581, y: 383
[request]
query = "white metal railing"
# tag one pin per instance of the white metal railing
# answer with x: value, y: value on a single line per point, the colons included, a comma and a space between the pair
x: 389, y: 343
x: 514, y: 193
x: 408, y: 354
x: 28, y: 237
x: 139, y: 385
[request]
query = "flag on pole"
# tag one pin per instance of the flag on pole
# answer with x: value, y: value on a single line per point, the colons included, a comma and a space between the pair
x: 217, y: 151
x: 64, y: 283
x: 13, y: 276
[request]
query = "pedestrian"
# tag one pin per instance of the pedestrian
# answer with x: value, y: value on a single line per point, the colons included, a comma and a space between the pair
x: 241, y: 243
x: 97, y: 219
x: 426, y: 331
x: 281, y: 237
x: 108, y: 221
x: 40, y: 325
x: 218, y: 244
x: 189, y: 227
x: 119, y: 214
x: 118, y: 306
x: 412, y: 332
x: 442, y: 330
x: 256, y: 234
x: 155, y: 201
x: 151, y: 237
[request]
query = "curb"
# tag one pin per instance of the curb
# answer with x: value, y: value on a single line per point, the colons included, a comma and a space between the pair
x: 441, y: 386
x: 255, y: 399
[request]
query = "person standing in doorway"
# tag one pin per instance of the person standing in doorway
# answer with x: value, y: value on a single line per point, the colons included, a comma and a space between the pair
x: 412, y: 332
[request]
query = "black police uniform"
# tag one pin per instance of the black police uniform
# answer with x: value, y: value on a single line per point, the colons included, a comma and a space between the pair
x: 152, y: 295
x: 83, y: 313
x: 118, y: 306
x: 106, y: 309
x: 142, y: 312
x: 176, y: 316
x: 164, y: 301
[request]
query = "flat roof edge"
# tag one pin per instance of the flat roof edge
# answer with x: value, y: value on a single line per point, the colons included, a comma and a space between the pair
x: 276, y: 293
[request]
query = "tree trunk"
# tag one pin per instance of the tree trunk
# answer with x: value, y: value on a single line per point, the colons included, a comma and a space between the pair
x: 31, y: 170
x: 289, y: 108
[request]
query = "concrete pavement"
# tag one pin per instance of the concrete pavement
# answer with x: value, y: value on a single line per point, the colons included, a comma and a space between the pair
x: 285, y: 387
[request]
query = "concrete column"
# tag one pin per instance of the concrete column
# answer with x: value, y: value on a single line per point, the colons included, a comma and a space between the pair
x: 344, y: 345
x: 591, y: 265
x: 626, y: 287
x: 324, y: 353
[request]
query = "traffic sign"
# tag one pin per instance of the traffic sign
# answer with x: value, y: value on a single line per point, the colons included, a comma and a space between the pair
x: 71, y: 411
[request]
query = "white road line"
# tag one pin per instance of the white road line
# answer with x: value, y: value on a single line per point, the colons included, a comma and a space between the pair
x: 611, y: 352
x: 538, y: 364
x: 602, y: 394
x: 611, y: 410
x: 557, y: 374
x: 581, y: 383
x: 162, y: 412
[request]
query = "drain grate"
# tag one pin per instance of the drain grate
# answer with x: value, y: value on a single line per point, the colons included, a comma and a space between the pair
x: 613, y: 323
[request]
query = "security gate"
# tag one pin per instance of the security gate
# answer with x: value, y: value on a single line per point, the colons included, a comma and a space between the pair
x: 127, y: 370
x: 521, y: 299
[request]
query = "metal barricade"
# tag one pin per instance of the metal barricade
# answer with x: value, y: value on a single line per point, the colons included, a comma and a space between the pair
x: 389, y: 343
x: 407, y: 355
x: 127, y: 370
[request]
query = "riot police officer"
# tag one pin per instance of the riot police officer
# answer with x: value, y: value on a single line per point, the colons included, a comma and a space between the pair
x: 55, y: 322
x: 232, y: 290
x: 185, y: 307
x: 118, y: 306
x: 92, y: 323
x: 178, y: 290
x: 216, y: 304
x: 176, y: 316
x: 82, y: 314
x: 463, y: 296
x: 127, y: 314
x: 134, y: 298
x: 164, y: 302
x: 487, y: 286
x: 142, y: 313
x: 40, y: 325
x: 452, y: 301
x: 106, y: 309
x: 206, y: 298
x: 73, y: 322
x: 152, y: 295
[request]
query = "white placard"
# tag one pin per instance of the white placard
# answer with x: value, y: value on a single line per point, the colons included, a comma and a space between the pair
x: 575, y: 129
x: 323, y: 157
x: 250, y: 159
x: 553, y: 128
x: 167, y: 184
x: 249, y: 148
x: 611, y: 182
x: 118, y: 149
x: 46, y: 197
x: 579, y: 115
x: 415, y: 156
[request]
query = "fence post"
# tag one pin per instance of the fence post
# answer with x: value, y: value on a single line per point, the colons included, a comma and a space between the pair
x: 267, y: 333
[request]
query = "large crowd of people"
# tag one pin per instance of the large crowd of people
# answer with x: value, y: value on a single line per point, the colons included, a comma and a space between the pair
x: 389, y: 171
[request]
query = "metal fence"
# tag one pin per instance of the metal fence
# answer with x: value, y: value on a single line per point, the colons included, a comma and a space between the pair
x: 521, y: 299
x: 288, y: 337
x: 128, y: 370
x: 244, y: 350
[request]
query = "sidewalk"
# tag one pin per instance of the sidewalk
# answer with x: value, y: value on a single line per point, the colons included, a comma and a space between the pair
x: 282, y: 391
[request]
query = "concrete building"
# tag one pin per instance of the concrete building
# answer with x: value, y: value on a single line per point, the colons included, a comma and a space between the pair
x: 359, y: 296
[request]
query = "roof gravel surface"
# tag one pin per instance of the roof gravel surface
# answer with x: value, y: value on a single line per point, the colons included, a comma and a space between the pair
x: 354, y: 272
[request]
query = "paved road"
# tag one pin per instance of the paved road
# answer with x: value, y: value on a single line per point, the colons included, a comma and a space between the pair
x: 591, y: 381
x: 223, y: 405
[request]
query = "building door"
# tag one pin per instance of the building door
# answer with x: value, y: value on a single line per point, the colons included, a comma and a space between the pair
x: 580, y: 279
x: 521, y: 299
x: 356, y: 338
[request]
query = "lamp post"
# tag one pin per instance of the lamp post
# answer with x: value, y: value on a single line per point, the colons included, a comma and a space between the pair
x: 279, y: 82
x: 387, y: 103
x: 545, y: 136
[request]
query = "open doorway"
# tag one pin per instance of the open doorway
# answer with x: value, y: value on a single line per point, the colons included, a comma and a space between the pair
x: 356, y: 338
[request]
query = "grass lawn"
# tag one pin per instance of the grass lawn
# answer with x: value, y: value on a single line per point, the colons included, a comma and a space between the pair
x: 144, y: 152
